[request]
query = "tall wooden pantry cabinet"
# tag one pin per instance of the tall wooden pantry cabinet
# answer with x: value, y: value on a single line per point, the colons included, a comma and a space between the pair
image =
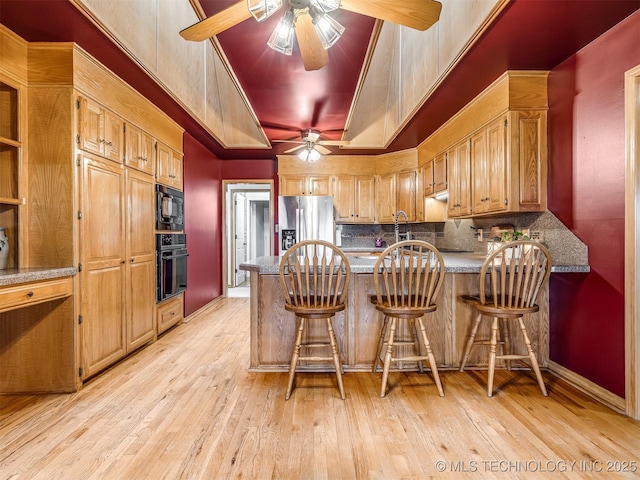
x: 91, y: 196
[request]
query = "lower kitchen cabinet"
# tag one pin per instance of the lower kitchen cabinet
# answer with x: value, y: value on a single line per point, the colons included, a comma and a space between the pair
x: 169, y: 313
x: 117, y: 257
x: 140, y: 258
x: 102, y: 265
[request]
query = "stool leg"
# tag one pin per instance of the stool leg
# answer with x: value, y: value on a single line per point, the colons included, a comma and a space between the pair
x: 336, y: 356
x: 416, y: 344
x: 387, y: 356
x: 492, y: 354
x: 532, y: 357
x: 383, y: 331
x: 506, y: 344
x: 470, y: 340
x: 432, y: 359
x: 295, y: 354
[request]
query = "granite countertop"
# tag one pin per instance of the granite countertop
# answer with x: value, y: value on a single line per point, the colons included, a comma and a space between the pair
x: 458, y: 262
x: 15, y: 276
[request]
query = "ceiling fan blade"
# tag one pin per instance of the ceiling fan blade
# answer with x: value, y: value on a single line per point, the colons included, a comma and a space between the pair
x: 293, y: 140
x: 227, y: 18
x: 334, y: 143
x: 321, y: 149
x: 295, y: 148
x: 418, y: 14
x: 314, y: 56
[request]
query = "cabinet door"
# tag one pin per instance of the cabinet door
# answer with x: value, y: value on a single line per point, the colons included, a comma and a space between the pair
x: 479, y: 194
x: 102, y: 233
x: 319, y: 185
x: 459, y: 202
x: 163, y: 167
x: 114, y: 137
x: 344, y: 198
x: 140, y: 256
x: 91, y: 128
x: 365, y: 198
x: 176, y: 170
x: 440, y: 173
x: 386, y: 198
x: 292, y: 185
x: 140, y: 148
x: 427, y: 178
x: 496, y: 167
x: 406, y: 194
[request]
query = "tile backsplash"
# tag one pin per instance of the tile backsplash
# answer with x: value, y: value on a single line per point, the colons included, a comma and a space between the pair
x: 565, y: 247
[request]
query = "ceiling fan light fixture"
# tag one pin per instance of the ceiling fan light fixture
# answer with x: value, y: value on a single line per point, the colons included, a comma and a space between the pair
x: 329, y: 30
x: 263, y: 9
x: 281, y: 39
x: 309, y: 154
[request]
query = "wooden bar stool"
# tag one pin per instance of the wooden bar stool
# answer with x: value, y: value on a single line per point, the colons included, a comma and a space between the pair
x: 511, y: 279
x: 315, y: 278
x: 407, y: 278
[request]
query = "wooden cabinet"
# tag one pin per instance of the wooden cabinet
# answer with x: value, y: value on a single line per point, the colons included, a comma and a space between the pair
x: 489, y: 168
x: 386, y: 198
x: 354, y: 198
x: 140, y: 149
x: 117, y: 255
x: 406, y: 193
x: 140, y: 259
x: 169, y: 166
x: 102, y: 275
x: 435, y: 175
x: 37, y: 328
x: 169, y: 313
x: 459, y: 159
x: 305, y: 185
x: 100, y: 131
x: 11, y: 182
x: 440, y: 173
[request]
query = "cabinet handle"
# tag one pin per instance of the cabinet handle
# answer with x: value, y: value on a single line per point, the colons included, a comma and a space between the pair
x: 109, y: 144
x: 133, y: 260
x: 102, y: 140
x: 29, y: 294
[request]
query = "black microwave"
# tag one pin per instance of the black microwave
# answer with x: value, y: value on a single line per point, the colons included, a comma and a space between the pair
x: 169, y: 209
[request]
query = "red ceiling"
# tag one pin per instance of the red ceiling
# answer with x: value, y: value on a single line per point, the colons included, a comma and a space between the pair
x: 530, y: 34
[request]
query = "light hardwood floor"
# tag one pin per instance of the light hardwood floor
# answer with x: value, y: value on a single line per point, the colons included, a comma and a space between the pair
x: 186, y: 407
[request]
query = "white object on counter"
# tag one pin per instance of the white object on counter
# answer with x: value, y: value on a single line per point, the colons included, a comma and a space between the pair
x: 339, y: 236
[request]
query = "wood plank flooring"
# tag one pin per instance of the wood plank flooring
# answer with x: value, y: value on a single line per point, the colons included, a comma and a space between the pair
x: 186, y: 407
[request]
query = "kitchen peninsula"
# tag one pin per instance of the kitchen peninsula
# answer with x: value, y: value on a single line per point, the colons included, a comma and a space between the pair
x: 357, y: 328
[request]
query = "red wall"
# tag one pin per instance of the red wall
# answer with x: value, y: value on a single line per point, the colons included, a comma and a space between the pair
x: 203, y: 224
x: 586, y: 192
x: 203, y: 175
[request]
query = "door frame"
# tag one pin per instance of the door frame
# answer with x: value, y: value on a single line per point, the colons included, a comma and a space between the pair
x: 226, y: 184
x: 632, y: 242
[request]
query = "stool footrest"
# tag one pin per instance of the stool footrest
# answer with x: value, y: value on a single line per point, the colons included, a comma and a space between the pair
x: 315, y: 359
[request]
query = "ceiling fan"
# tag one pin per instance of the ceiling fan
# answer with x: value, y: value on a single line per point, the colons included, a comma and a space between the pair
x: 315, y: 30
x: 312, y: 144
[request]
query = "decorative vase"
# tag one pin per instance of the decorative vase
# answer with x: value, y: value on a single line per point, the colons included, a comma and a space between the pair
x: 4, y: 249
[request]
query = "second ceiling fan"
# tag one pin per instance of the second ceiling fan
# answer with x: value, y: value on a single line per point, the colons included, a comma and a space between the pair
x: 315, y: 30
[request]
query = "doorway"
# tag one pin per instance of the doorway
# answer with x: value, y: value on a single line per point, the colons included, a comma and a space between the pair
x: 247, y: 231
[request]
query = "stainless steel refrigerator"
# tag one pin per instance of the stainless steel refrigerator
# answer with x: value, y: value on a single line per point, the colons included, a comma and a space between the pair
x: 305, y: 218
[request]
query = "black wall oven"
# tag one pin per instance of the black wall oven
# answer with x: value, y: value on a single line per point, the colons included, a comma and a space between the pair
x: 171, y: 274
x: 169, y: 209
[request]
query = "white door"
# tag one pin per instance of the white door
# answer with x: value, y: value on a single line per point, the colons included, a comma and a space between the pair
x: 240, y: 237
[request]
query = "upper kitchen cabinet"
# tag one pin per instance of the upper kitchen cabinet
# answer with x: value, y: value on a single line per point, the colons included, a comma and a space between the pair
x: 100, y: 131
x: 169, y: 167
x: 435, y: 175
x: 305, y: 185
x: 386, y: 198
x: 459, y: 160
x: 140, y: 150
x: 354, y: 198
x: 406, y: 193
x: 504, y: 129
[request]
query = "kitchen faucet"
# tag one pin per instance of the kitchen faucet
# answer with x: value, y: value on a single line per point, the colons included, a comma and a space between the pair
x: 397, y: 230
